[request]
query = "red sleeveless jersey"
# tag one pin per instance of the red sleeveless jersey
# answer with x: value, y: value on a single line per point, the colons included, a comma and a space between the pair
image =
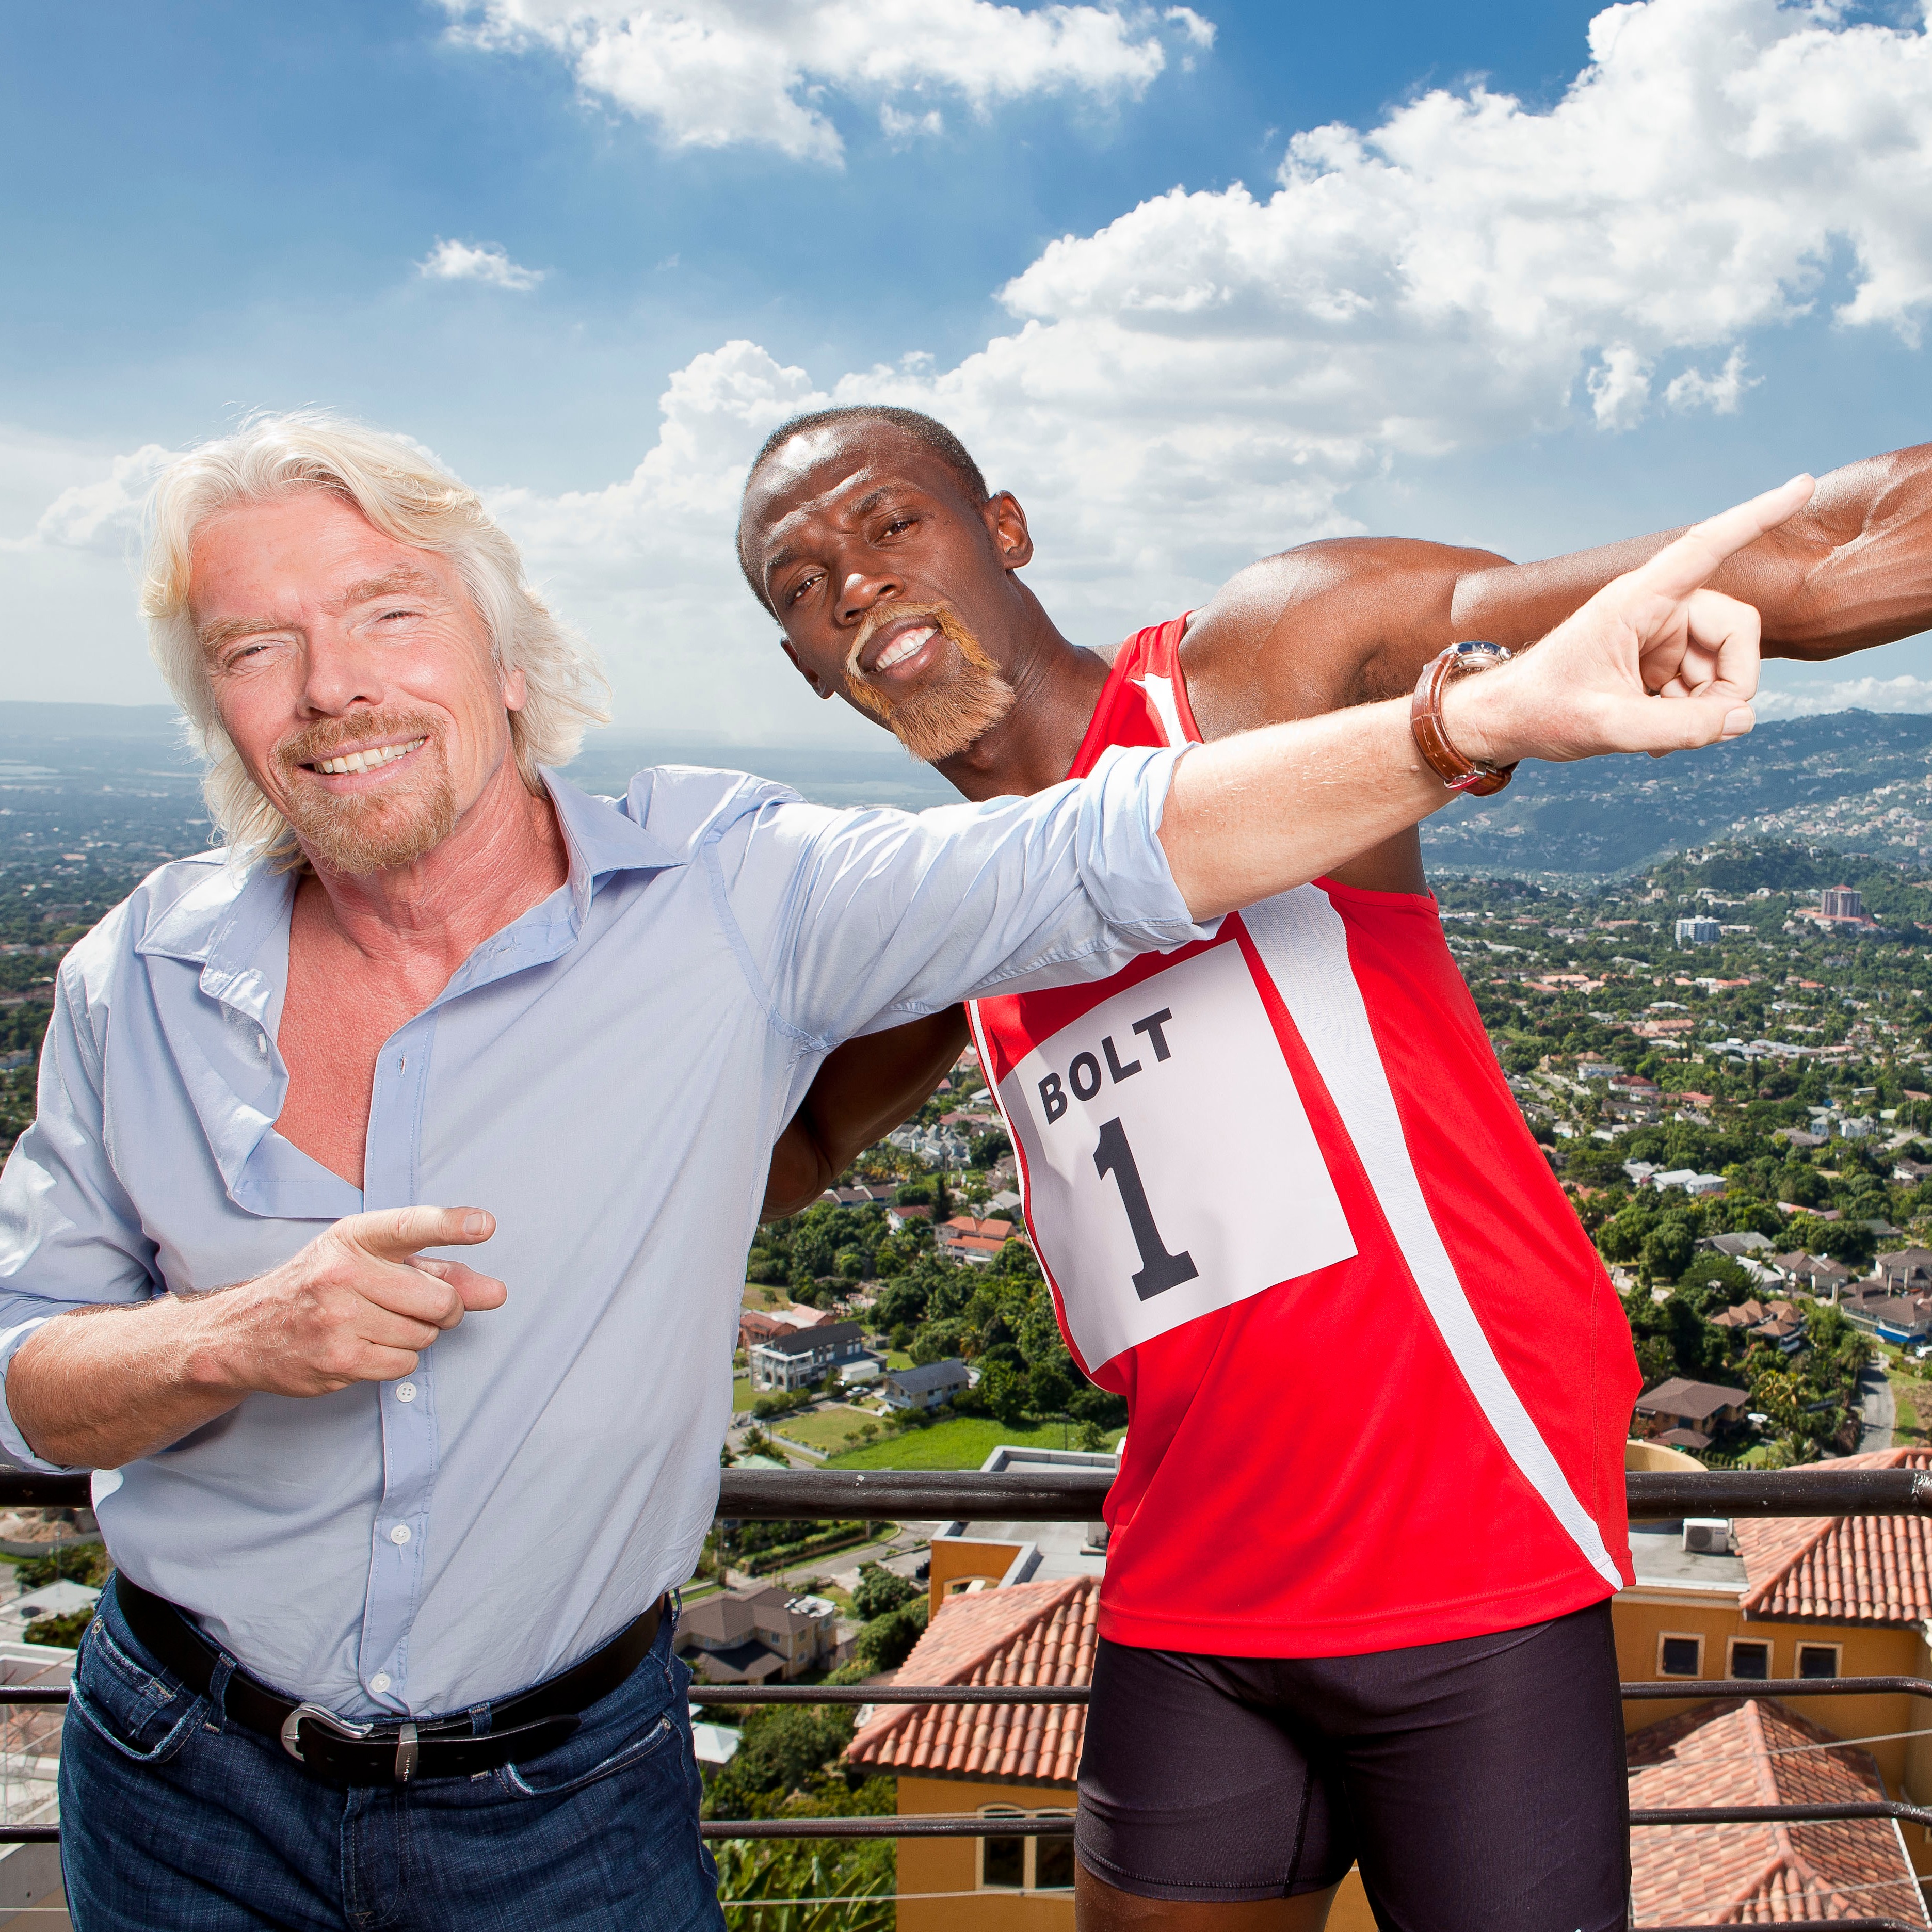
x: 1377, y: 1381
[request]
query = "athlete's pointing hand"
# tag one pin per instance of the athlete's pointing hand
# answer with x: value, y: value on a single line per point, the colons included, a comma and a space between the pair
x: 1654, y: 662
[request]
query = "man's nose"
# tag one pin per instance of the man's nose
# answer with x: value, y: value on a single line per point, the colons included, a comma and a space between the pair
x: 863, y: 589
x: 337, y: 676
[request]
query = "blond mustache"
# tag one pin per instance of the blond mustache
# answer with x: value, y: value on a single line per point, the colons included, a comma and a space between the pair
x: 864, y: 692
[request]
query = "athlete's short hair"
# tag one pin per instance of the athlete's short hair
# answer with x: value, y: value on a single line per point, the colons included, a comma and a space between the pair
x: 932, y: 435
x: 407, y: 496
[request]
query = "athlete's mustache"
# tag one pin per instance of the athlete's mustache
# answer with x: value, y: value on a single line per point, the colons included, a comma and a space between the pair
x: 951, y: 625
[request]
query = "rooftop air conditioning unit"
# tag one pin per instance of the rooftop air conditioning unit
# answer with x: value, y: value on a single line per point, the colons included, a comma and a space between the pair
x: 1708, y: 1535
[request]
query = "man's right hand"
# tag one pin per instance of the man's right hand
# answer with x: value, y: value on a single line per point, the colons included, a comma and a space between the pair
x: 358, y: 1304
x: 105, y: 1386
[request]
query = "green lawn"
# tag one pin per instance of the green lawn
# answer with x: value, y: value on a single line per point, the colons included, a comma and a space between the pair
x: 897, y: 1358
x: 821, y: 1428
x: 742, y: 1394
x: 964, y: 1443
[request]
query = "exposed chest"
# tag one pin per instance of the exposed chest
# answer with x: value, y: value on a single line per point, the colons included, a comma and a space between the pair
x: 335, y: 1022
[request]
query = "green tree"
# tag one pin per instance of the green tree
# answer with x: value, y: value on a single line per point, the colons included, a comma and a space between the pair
x: 1004, y: 1388
x: 1051, y: 1382
x: 886, y: 1641
x: 1666, y: 1249
x: 879, y: 1592
x: 762, y: 1880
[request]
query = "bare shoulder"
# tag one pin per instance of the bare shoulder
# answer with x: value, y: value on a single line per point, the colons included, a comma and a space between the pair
x: 1345, y: 621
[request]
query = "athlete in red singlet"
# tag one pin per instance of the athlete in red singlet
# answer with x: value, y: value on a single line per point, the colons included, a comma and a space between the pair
x: 1371, y: 1508
x: 1279, y: 1179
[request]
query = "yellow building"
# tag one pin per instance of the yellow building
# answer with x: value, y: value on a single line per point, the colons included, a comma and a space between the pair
x: 1811, y: 1596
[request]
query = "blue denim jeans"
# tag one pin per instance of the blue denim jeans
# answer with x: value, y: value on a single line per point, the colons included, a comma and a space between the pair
x: 174, y: 1816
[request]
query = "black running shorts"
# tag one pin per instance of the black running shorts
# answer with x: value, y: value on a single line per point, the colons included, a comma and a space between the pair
x: 1479, y: 1783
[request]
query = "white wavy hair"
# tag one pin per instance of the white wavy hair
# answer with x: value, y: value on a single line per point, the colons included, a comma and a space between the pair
x: 407, y: 497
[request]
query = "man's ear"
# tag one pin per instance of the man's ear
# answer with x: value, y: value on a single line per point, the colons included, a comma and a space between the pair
x: 804, y: 671
x: 1006, y: 525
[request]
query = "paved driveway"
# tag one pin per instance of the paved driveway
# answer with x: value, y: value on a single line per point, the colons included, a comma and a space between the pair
x: 1881, y: 1411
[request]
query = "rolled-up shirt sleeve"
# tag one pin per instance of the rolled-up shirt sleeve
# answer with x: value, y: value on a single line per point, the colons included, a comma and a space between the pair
x: 882, y: 916
x: 70, y: 1238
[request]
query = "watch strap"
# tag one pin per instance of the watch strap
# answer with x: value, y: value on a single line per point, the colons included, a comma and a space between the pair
x: 1474, y: 775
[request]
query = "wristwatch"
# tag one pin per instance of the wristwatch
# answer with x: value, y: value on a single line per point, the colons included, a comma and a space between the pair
x: 1425, y: 717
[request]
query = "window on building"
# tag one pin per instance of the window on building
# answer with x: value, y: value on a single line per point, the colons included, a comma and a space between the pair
x: 1027, y: 1864
x: 1680, y: 1656
x: 1003, y: 1862
x: 1818, y: 1659
x: 1053, y: 1861
x: 1749, y: 1657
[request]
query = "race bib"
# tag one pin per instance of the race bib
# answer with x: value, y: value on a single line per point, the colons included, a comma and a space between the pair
x: 1170, y: 1167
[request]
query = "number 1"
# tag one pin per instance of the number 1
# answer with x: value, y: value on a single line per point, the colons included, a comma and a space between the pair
x: 1159, y: 1270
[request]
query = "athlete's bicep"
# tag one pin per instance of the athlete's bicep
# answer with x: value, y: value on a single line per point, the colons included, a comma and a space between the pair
x: 1346, y: 621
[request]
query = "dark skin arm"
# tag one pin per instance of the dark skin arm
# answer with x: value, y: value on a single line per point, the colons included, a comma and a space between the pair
x: 865, y: 1089
x: 1353, y: 620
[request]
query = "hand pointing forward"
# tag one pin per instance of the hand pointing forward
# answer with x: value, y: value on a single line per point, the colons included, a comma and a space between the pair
x: 358, y: 1304
x: 1654, y: 662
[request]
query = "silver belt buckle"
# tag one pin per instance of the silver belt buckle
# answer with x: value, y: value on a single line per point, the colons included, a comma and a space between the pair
x: 328, y: 1721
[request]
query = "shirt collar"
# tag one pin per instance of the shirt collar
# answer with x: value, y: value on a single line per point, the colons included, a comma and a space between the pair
x: 225, y: 923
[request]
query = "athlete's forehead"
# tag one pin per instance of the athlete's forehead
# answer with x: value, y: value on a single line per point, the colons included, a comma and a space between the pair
x: 833, y: 477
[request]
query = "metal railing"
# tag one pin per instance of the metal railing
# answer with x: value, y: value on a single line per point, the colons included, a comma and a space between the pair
x: 1066, y: 1494
x: 1075, y: 1495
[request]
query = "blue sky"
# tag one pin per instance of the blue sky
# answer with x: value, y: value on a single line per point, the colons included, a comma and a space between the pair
x: 1532, y: 325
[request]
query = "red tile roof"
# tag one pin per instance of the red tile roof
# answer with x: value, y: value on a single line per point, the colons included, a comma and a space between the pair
x: 1840, y: 1569
x: 1759, y: 1752
x: 1041, y: 1633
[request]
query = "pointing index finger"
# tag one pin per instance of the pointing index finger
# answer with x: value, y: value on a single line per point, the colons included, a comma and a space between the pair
x: 398, y: 1233
x: 1681, y: 567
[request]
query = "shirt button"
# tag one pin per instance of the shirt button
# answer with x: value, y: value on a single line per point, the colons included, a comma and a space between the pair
x: 380, y: 1682
x: 406, y: 1391
x: 400, y: 1534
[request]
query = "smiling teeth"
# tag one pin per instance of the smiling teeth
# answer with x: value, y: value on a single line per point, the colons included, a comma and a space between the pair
x: 368, y: 761
x: 902, y: 647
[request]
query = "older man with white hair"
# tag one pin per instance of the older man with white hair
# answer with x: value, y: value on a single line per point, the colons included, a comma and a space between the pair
x: 389, y: 1641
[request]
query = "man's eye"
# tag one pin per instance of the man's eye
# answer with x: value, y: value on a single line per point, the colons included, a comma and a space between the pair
x: 899, y: 523
x: 798, y: 588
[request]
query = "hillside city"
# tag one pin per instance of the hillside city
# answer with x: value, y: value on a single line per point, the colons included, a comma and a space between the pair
x: 1724, y: 1053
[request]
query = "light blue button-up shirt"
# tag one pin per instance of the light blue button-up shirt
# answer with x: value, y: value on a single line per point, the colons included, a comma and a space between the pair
x: 607, y: 1075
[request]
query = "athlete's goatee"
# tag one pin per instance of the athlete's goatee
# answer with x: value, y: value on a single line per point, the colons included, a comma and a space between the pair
x: 958, y: 703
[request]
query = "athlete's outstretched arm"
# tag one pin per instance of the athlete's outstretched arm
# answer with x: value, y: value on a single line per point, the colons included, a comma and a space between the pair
x: 1655, y: 662
x: 1352, y: 619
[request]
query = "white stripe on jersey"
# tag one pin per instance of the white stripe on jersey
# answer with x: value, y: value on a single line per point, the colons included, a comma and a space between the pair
x: 1160, y: 695
x: 1304, y: 944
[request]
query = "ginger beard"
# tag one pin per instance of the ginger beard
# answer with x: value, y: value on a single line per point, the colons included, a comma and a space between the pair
x: 360, y: 832
x: 956, y: 705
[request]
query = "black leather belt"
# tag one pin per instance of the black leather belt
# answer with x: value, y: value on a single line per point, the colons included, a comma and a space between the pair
x: 394, y: 1752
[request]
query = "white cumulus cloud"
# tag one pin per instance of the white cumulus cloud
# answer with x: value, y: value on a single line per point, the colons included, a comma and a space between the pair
x: 712, y: 73
x: 477, y: 262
